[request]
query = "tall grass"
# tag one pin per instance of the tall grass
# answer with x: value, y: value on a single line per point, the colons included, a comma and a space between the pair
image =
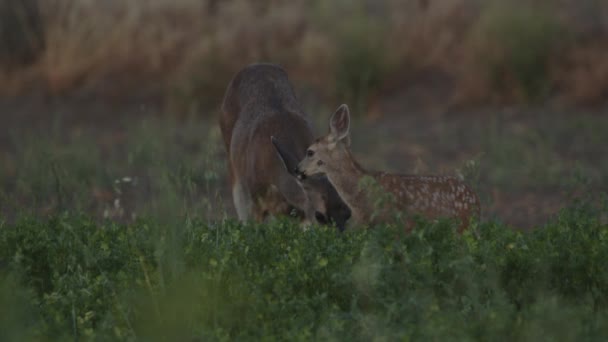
x: 159, y: 168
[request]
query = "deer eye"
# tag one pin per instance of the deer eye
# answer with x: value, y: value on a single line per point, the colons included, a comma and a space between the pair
x: 310, y: 153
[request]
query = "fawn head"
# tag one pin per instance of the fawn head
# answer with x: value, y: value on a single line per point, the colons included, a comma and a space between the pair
x: 330, y: 151
x: 324, y: 204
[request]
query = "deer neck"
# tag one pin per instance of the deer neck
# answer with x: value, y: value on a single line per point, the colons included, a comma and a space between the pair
x: 346, y: 179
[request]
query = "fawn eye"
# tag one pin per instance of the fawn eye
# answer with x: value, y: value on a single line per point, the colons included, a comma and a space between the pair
x: 310, y: 153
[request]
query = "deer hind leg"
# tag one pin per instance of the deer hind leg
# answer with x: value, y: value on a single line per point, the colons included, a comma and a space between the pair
x: 243, y: 203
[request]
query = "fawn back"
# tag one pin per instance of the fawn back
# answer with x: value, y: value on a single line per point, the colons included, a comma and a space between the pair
x: 259, y: 104
x: 430, y: 196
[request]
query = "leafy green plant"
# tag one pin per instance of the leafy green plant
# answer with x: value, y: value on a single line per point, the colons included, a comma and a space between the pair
x: 91, y: 280
x: 19, y: 320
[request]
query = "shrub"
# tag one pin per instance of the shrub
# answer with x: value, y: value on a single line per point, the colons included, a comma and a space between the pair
x: 274, y: 281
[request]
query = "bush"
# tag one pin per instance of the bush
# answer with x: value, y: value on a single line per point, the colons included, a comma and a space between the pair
x: 230, y: 281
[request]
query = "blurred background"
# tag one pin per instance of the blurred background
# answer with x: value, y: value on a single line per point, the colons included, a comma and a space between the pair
x: 110, y: 107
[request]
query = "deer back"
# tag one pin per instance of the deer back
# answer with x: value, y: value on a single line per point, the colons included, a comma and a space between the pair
x: 432, y: 196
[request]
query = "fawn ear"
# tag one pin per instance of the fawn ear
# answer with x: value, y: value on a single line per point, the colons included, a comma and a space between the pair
x: 289, y: 161
x: 339, y: 124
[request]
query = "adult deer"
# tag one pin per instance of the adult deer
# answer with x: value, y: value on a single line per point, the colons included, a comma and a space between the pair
x: 259, y: 104
x: 430, y: 196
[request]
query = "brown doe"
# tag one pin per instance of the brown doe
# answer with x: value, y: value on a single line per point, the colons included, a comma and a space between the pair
x: 429, y: 196
x: 259, y: 104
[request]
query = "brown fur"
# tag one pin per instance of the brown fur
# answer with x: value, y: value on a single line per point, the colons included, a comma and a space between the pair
x: 430, y: 196
x: 260, y: 103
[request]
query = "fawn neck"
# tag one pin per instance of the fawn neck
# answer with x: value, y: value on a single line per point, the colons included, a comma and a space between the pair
x: 345, y: 178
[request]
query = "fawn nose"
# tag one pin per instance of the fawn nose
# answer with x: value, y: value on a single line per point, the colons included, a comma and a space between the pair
x: 299, y: 173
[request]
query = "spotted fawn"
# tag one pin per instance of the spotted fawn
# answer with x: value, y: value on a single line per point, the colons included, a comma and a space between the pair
x: 429, y: 196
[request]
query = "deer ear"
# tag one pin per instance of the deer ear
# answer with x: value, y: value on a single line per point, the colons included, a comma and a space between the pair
x: 339, y: 124
x: 289, y: 161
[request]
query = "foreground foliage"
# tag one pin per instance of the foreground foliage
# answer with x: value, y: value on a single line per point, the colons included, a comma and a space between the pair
x: 72, y: 278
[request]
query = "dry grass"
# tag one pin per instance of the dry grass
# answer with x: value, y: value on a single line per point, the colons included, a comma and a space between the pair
x: 189, y: 49
x: 111, y: 46
x: 583, y: 76
x: 123, y: 42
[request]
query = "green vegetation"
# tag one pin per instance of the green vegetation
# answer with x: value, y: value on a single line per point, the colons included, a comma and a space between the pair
x: 153, y: 167
x: 543, y: 151
x: 77, y: 264
x: 361, y: 56
x: 69, y: 277
x: 516, y: 45
x: 179, y: 167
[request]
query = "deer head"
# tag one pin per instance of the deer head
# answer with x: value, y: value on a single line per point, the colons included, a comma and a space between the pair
x: 324, y: 203
x: 330, y: 151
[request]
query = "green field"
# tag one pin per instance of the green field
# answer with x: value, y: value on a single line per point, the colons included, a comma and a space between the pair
x: 71, y: 278
x: 124, y: 231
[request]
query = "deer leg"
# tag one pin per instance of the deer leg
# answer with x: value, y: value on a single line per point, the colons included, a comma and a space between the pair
x: 242, y: 201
